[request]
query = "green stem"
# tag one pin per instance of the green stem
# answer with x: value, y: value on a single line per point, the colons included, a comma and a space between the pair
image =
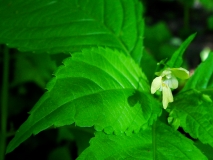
x: 4, y: 102
x: 154, y: 140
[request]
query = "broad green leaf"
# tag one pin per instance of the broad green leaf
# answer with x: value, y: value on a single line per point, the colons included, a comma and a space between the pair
x: 205, y: 149
x: 194, y: 110
x: 170, y: 145
x: 188, y: 3
x: 202, y: 78
x: 57, y: 153
x: 79, y: 135
x: 154, y: 42
x: 64, y: 134
x: 112, y: 147
x: 167, y: 49
x: 160, y: 28
x: 149, y: 64
x: 32, y: 68
x: 82, y: 137
x: 207, y: 4
x: 70, y: 25
x: 210, y: 22
x: 93, y: 88
x: 177, y: 58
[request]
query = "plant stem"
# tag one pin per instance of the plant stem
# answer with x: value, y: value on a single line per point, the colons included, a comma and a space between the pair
x: 4, y: 102
x: 154, y: 140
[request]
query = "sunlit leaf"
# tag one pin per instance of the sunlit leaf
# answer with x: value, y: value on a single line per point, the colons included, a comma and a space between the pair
x: 207, y: 4
x: 169, y: 144
x: 93, y: 88
x: 194, y: 114
x: 70, y: 25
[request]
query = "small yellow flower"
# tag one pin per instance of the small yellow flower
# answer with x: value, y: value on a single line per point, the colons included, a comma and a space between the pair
x: 168, y: 79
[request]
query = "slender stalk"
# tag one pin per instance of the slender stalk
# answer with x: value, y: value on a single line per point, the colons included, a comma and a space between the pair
x: 154, y: 140
x: 4, y: 103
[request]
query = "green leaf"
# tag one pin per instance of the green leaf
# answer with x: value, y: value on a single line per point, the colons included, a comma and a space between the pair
x: 170, y: 144
x: 163, y: 36
x: 70, y: 25
x: 92, y: 88
x: 188, y: 3
x: 104, y: 146
x: 205, y: 149
x: 32, y: 67
x: 210, y: 22
x: 149, y: 64
x: 154, y: 42
x: 177, y: 58
x: 58, y: 152
x: 194, y: 114
x: 202, y: 78
x: 80, y: 135
x: 207, y: 4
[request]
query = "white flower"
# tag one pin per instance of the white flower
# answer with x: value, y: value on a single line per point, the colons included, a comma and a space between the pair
x: 166, y: 80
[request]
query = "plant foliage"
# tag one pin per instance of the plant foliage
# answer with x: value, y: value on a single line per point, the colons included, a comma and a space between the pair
x: 105, y: 81
x: 67, y: 26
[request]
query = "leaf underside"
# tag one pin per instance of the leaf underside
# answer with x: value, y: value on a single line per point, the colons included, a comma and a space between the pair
x: 99, y: 87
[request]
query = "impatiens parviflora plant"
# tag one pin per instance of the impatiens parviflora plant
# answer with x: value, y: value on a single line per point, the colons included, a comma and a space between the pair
x: 168, y: 79
x: 102, y: 84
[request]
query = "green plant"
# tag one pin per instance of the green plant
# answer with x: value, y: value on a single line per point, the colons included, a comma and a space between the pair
x: 103, y: 83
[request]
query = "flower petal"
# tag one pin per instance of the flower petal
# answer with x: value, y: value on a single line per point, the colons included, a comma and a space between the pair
x: 172, y: 82
x: 180, y: 73
x: 167, y: 95
x: 156, y: 84
x: 166, y: 73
